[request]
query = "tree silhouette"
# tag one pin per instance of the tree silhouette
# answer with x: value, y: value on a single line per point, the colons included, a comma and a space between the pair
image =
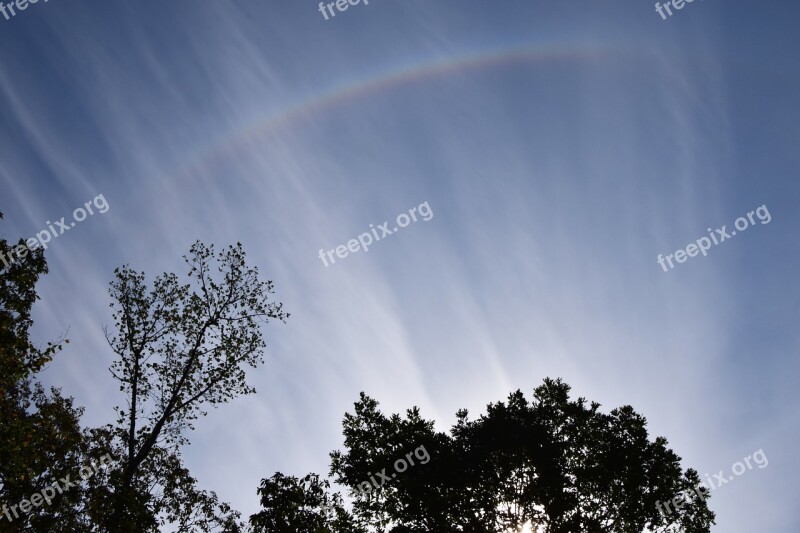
x: 40, y: 437
x: 551, y: 464
x: 181, y: 348
x: 292, y: 505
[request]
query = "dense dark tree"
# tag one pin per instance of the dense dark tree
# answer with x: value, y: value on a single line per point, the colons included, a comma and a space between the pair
x: 291, y: 505
x: 552, y: 464
x: 40, y: 435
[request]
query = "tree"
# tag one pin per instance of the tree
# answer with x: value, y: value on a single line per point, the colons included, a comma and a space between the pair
x: 565, y: 466
x: 553, y: 464
x: 40, y: 435
x: 291, y: 505
x: 181, y: 348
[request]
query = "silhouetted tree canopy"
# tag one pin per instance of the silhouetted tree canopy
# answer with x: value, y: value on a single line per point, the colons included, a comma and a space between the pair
x: 40, y: 435
x: 181, y: 347
x: 552, y: 463
x: 292, y: 505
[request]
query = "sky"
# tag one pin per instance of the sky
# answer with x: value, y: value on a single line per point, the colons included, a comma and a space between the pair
x: 560, y: 148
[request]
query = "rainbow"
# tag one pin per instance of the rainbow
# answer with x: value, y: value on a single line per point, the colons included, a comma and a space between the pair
x: 387, y: 80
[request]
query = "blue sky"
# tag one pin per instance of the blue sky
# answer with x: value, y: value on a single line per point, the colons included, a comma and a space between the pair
x: 561, y: 147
